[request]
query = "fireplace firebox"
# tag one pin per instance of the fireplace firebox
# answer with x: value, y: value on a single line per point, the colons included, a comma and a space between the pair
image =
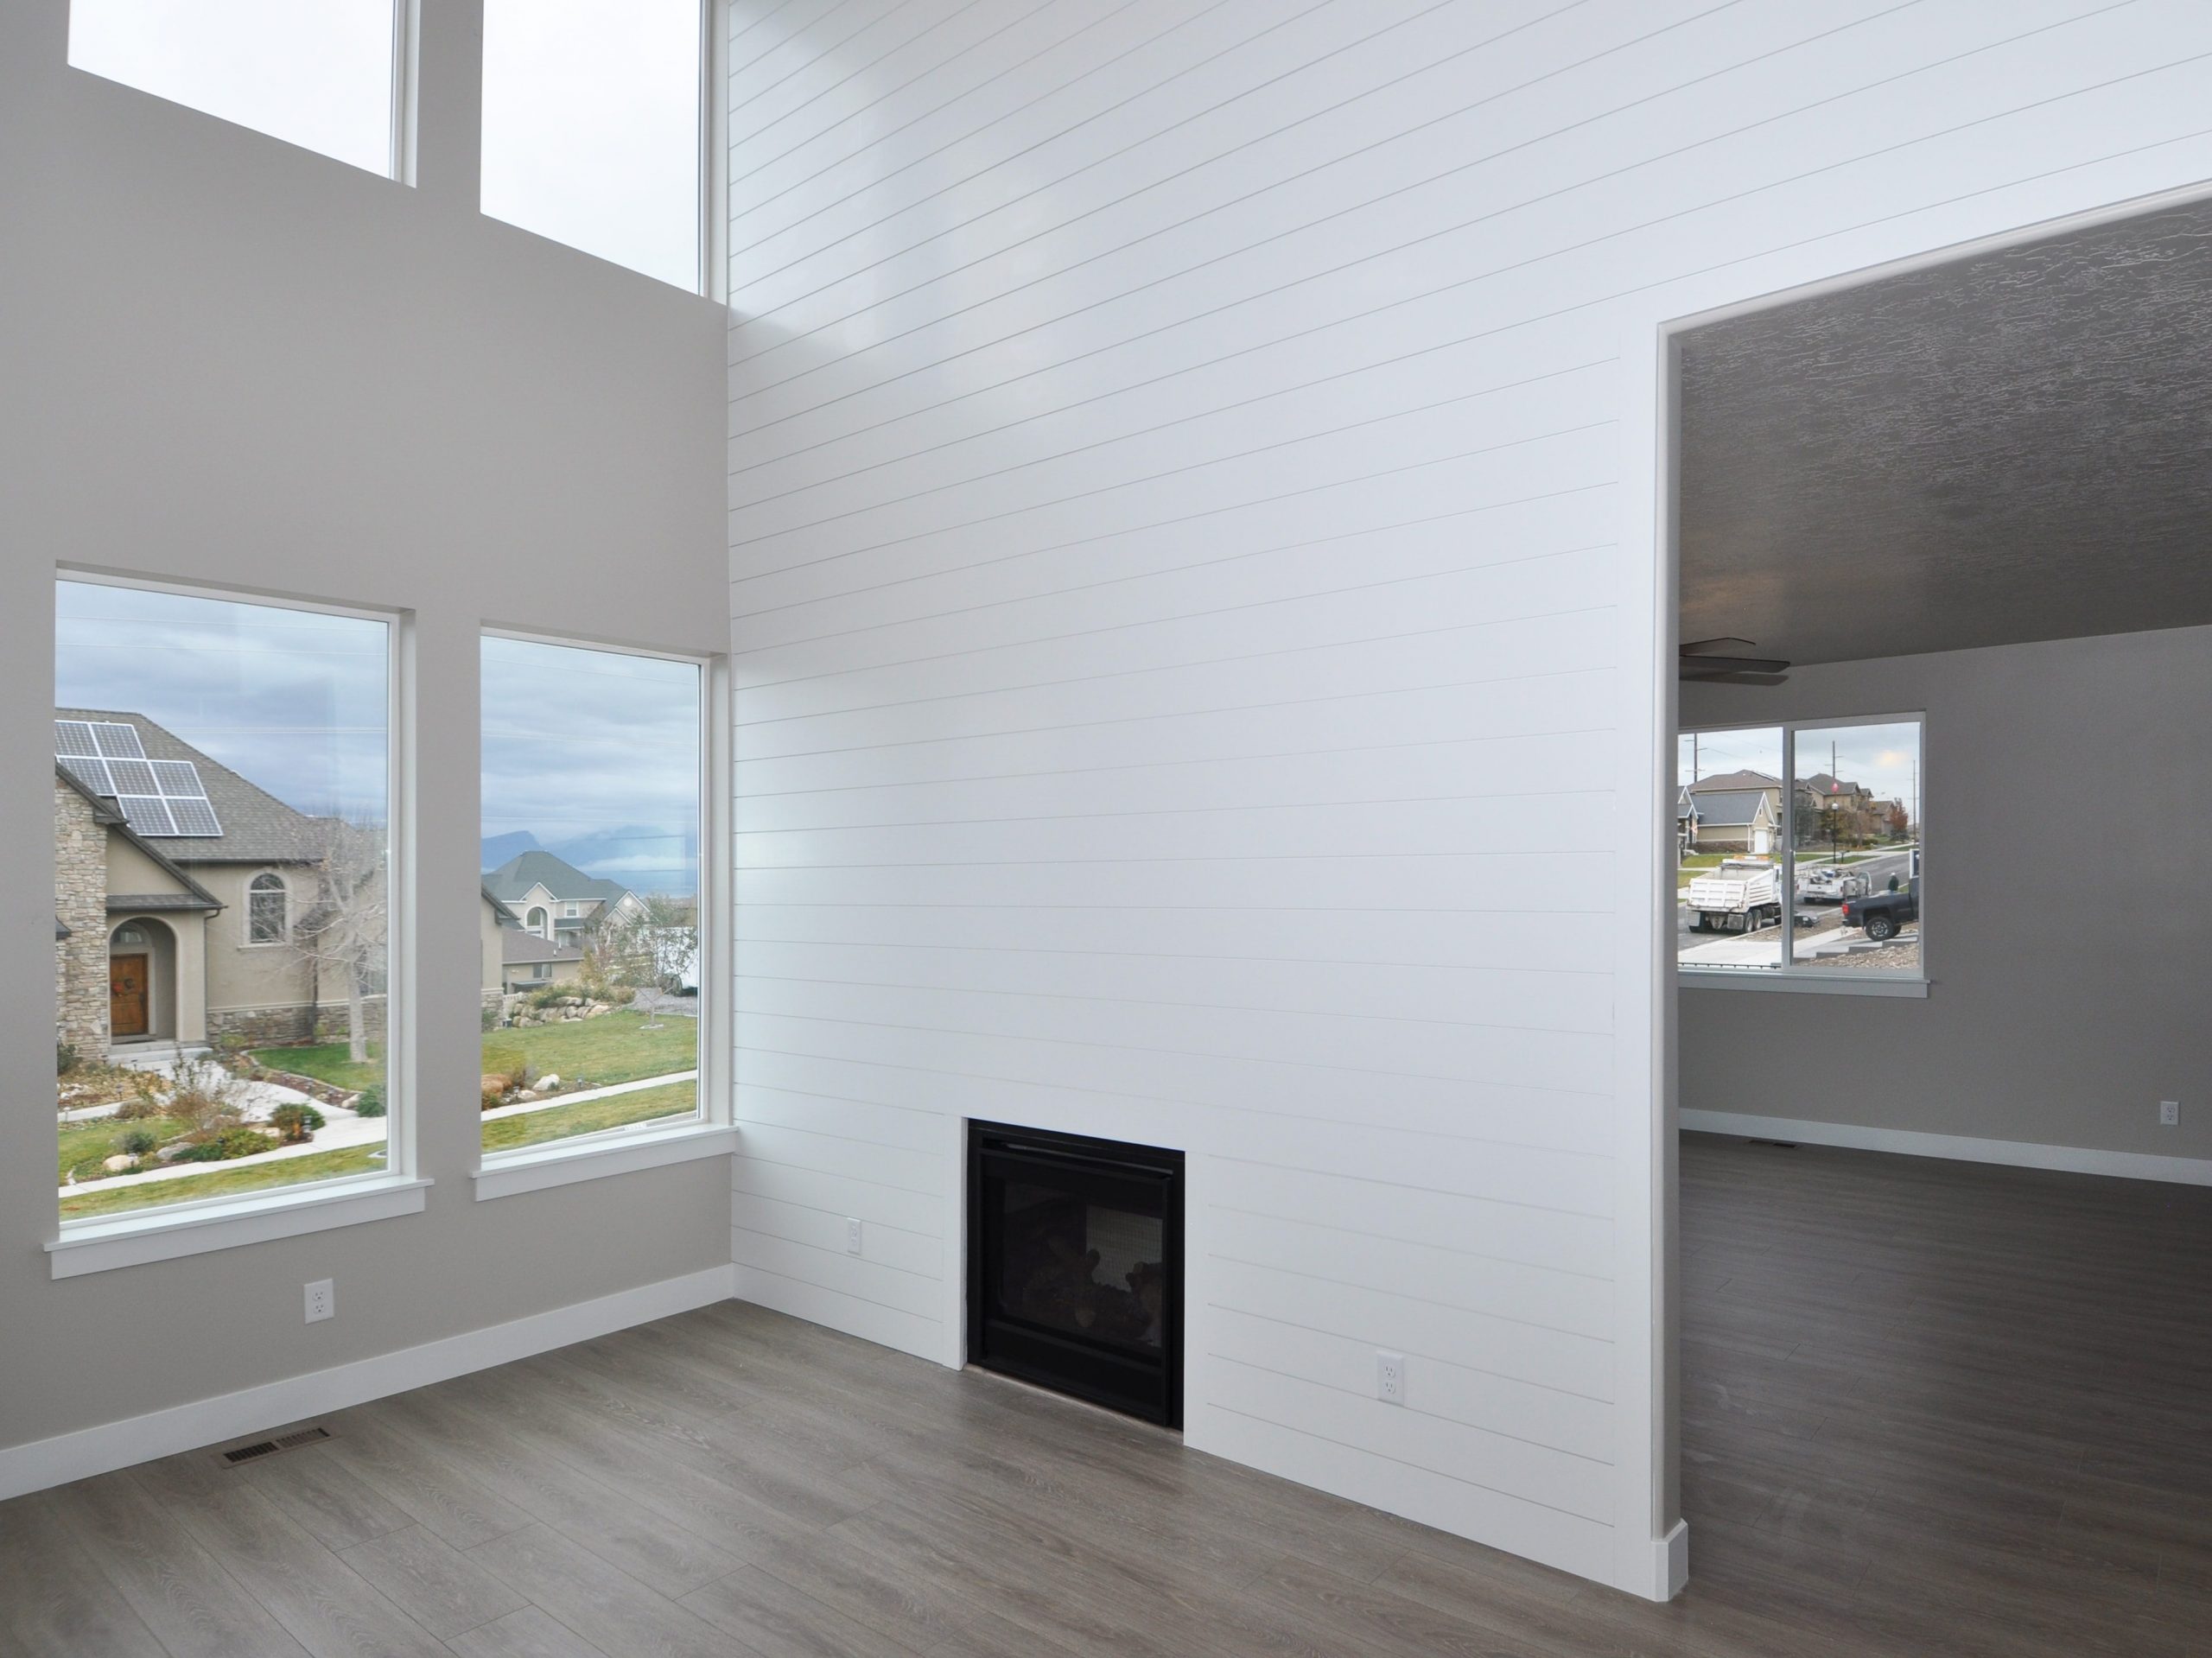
x: 1075, y: 1266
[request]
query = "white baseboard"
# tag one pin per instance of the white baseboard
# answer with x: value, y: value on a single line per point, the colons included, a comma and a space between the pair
x: 1670, y: 1563
x: 2016, y: 1154
x: 92, y: 1451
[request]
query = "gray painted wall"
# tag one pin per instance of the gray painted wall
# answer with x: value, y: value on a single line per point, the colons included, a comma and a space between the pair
x: 229, y: 360
x: 2068, y: 788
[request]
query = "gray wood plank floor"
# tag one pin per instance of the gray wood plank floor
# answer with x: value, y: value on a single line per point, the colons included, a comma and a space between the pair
x: 1929, y: 1408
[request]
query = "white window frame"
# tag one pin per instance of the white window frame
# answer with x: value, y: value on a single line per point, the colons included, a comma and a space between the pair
x: 710, y: 1133
x: 100, y: 1242
x: 1790, y: 974
x: 253, y: 889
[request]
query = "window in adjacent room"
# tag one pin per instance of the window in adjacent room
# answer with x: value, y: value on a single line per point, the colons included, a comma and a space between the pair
x: 319, y: 73
x: 222, y: 873
x: 595, y: 799
x: 1831, y: 857
x: 592, y: 130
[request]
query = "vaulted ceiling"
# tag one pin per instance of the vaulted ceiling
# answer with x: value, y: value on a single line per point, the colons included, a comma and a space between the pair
x: 2017, y: 445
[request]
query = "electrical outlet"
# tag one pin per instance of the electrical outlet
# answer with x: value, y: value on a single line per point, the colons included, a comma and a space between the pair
x: 322, y: 1301
x: 852, y: 1235
x: 1390, y: 1378
x: 2169, y: 1113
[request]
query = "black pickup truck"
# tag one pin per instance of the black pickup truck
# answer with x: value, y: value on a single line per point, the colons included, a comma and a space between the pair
x: 1883, y: 913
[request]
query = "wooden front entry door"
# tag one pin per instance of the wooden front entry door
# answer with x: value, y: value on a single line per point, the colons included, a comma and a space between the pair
x: 127, y: 999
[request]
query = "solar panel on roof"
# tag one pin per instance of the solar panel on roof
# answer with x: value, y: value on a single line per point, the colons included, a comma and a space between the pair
x: 92, y: 773
x: 147, y: 814
x: 118, y: 742
x: 157, y: 796
x: 133, y: 777
x: 194, y: 817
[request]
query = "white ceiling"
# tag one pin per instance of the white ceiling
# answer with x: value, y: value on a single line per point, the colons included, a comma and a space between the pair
x: 2015, y: 447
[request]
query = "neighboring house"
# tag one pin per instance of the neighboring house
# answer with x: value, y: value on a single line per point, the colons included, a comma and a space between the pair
x: 556, y: 900
x: 194, y: 873
x: 529, y: 962
x: 1737, y: 820
x: 1726, y: 819
x: 177, y: 884
x: 1685, y: 822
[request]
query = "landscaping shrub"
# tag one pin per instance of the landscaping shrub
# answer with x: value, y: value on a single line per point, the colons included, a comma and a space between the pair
x: 141, y: 1142
x: 235, y: 1141
x: 371, y: 1103
x: 296, y: 1121
x: 492, y: 1099
x: 65, y: 1058
x: 510, y: 1066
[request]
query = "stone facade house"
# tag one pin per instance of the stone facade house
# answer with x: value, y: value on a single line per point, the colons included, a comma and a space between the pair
x: 176, y: 909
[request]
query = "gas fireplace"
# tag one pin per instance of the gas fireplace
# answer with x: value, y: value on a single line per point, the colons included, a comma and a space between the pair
x: 1075, y: 1266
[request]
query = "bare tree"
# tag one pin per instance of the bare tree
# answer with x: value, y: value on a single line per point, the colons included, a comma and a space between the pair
x: 341, y: 928
x: 655, y: 943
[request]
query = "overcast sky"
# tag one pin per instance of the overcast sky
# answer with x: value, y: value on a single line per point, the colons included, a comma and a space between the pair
x: 591, y: 107
x: 594, y: 754
x: 291, y: 700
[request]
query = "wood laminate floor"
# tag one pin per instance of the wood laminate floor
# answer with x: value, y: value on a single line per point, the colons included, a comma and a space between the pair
x: 1930, y: 1409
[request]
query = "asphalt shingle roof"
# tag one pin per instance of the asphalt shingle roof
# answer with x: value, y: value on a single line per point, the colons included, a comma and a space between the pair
x: 513, y: 878
x: 1734, y: 809
x: 517, y: 947
x: 1724, y: 782
x: 257, y: 828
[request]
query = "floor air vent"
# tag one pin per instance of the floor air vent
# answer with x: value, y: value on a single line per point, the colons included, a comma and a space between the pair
x: 261, y: 1448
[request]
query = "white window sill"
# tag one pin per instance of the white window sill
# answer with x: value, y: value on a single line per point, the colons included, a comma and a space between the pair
x: 1800, y: 980
x: 565, y: 1162
x: 99, y: 1246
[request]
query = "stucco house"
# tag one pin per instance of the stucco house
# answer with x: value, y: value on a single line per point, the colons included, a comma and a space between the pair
x: 177, y: 884
x: 554, y: 899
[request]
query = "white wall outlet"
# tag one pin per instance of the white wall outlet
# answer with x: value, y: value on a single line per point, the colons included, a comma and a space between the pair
x: 322, y: 1301
x: 1390, y: 1378
x: 2169, y: 1113
x: 852, y: 1235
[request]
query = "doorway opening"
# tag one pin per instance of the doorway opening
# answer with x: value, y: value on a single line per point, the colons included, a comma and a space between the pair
x: 1946, y: 633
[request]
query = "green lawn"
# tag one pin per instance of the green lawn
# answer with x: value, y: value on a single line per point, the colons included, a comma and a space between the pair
x: 612, y: 1048
x: 559, y: 1121
x: 100, y: 1137
x: 224, y: 1182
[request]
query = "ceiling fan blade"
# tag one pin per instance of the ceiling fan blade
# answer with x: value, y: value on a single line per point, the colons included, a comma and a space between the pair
x: 1699, y: 646
x: 1716, y: 667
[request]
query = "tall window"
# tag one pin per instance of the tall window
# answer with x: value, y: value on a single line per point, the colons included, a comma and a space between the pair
x: 319, y: 73
x: 265, y: 920
x: 1800, y: 849
x: 592, y: 128
x: 592, y: 795
x: 221, y: 785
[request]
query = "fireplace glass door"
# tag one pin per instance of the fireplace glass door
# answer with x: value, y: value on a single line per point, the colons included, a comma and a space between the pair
x: 1076, y: 1280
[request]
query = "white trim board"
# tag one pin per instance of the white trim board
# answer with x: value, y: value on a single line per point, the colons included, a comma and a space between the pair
x: 87, y: 1452
x: 2014, y: 1153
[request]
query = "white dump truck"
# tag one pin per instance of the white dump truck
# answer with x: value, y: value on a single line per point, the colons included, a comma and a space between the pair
x: 1742, y: 895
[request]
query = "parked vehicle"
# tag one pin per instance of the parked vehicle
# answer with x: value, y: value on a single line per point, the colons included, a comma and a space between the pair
x: 1882, y: 914
x: 1831, y: 886
x: 1742, y: 895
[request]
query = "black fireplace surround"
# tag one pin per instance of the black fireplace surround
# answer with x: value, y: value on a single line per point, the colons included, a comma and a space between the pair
x: 1075, y: 1266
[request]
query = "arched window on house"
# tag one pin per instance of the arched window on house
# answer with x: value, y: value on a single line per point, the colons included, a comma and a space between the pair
x: 265, y: 921
x: 538, y: 921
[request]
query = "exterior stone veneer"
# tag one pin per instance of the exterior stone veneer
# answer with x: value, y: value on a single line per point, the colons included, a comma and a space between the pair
x: 283, y: 1026
x: 80, y: 905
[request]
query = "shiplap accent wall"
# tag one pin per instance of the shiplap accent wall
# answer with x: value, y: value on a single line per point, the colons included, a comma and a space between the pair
x: 1193, y: 593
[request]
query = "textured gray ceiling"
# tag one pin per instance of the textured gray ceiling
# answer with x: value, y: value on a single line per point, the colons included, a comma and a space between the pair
x: 2015, y: 447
